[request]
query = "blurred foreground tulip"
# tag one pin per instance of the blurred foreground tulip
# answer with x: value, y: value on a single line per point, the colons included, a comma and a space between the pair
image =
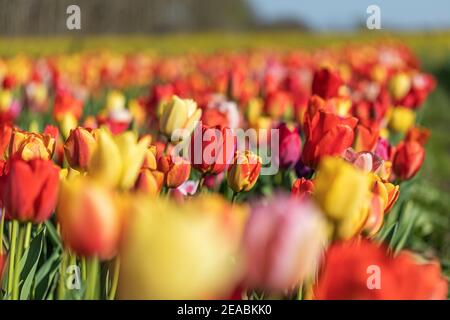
x: 244, y: 171
x: 365, y: 270
x: 283, y: 242
x: 117, y: 160
x: 90, y: 218
x: 342, y: 192
x: 29, y: 145
x: 30, y: 189
x: 79, y: 147
x: 172, y: 252
x: 178, y: 118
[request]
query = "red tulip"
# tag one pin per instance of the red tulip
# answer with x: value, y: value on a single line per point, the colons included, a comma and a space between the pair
x: 408, y: 159
x: 326, y: 83
x: 290, y: 146
x: 30, y: 189
x: 350, y: 269
x: 302, y: 188
x: 366, y: 138
x: 176, y: 170
x: 5, y: 137
x: 212, y: 149
x: 326, y: 134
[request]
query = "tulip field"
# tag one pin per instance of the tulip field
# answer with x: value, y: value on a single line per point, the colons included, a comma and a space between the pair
x: 288, y: 167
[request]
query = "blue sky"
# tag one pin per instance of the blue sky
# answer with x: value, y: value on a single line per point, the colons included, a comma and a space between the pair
x: 345, y: 14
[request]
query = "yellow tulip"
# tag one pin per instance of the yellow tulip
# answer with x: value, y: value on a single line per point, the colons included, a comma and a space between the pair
x: 402, y: 119
x: 67, y: 123
x: 399, y: 85
x: 117, y: 160
x: 343, y: 192
x: 5, y: 99
x: 179, y: 114
x: 173, y: 252
x: 115, y: 101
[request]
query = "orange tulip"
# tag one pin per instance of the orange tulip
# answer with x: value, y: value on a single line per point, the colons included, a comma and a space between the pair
x: 79, y: 147
x: 29, y: 145
x: 176, y: 170
x: 90, y: 218
x: 244, y: 171
x: 149, y: 182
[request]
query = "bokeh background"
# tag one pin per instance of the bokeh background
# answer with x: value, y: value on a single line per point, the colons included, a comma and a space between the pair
x: 38, y: 27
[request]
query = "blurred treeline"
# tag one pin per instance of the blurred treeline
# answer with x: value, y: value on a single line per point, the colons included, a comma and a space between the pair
x: 48, y: 17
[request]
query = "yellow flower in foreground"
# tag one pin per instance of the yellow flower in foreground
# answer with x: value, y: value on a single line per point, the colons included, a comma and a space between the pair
x: 343, y: 193
x: 179, y: 114
x: 402, y: 119
x: 173, y: 252
x: 117, y: 159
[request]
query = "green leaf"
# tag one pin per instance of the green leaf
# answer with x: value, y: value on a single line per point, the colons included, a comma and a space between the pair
x: 45, y: 275
x: 29, y: 262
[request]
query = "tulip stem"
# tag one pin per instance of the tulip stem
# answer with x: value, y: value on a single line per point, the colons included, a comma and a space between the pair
x: 2, y: 226
x: 115, y: 279
x: 18, y: 256
x: 201, y: 183
x: 12, y: 255
x: 92, y: 272
x: 233, y: 198
x: 26, y: 243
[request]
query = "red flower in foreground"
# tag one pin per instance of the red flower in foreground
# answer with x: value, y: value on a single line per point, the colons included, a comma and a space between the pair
x: 30, y: 189
x: 349, y: 272
x: 326, y: 134
x: 290, y: 146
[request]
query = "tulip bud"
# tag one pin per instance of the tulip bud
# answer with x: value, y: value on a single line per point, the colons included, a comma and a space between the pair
x: 79, y: 147
x: 117, y: 160
x: 342, y: 192
x: 211, y: 149
x: 408, y: 159
x: 29, y: 145
x: 179, y: 115
x: 149, y: 182
x: 302, y: 188
x: 30, y: 189
x: 290, y: 146
x: 244, y: 171
x: 326, y: 83
x: 89, y: 217
x: 176, y: 170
